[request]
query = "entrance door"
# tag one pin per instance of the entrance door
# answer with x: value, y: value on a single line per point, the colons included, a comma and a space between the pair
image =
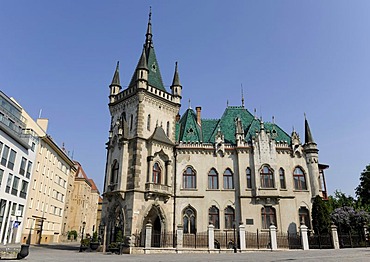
x: 156, y: 235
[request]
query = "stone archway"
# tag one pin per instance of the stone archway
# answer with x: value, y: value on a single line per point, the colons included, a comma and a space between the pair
x: 155, y: 217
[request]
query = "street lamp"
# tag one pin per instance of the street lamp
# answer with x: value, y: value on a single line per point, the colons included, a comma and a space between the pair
x: 82, y: 237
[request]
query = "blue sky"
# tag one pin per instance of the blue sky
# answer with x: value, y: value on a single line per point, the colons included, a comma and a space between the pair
x: 292, y: 57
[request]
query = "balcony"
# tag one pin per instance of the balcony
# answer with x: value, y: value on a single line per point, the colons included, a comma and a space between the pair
x: 153, y: 190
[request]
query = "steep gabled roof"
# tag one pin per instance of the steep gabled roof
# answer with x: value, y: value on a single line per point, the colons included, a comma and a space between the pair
x: 160, y: 136
x: 189, y: 130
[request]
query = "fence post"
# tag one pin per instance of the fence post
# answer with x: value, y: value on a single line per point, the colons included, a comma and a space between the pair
x: 211, y: 237
x: 242, y: 237
x: 366, y: 234
x: 148, y: 235
x: 334, y: 236
x: 180, y: 235
x: 273, y: 240
x: 304, y: 237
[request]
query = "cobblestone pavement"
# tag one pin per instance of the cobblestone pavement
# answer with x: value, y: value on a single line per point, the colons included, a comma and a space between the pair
x: 70, y: 253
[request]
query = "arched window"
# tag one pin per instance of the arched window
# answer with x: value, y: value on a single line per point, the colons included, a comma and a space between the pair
x: 268, y: 217
x: 148, y: 123
x: 189, y: 221
x: 282, y: 178
x: 168, y: 128
x: 267, y: 177
x: 156, y: 174
x: 212, y: 179
x: 228, y: 179
x: 304, y: 216
x: 229, y: 217
x: 114, y: 172
x: 213, y: 215
x: 249, y: 178
x: 299, y: 179
x: 189, y: 178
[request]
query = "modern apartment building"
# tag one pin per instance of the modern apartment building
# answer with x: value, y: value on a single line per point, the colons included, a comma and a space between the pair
x: 18, y: 146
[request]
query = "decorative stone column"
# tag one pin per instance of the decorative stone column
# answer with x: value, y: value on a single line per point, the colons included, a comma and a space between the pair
x: 148, y: 235
x: 273, y: 240
x: 304, y: 237
x: 366, y: 232
x: 334, y: 236
x: 242, y: 237
x: 180, y: 236
x: 211, y: 237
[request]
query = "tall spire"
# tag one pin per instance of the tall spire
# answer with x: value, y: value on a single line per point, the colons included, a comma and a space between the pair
x: 308, y: 136
x: 148, y: 41
x: 176, y: 78
x: 142, y: 62
x: 115, y: 80
x: 242, y: 95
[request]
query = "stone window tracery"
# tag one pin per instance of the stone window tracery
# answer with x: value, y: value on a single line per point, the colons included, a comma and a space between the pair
x: 299, y: 179
x: 267, y: 177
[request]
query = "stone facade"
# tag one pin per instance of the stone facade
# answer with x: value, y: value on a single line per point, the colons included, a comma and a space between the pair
x: 166, y: 170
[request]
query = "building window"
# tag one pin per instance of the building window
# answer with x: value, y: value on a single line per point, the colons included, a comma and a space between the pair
x: 267, y: 177
x: 148, y: 123
x: 249, y: 178
x: 22, y: 169
x: 23, y: 193
x: 299, y: 179
x: 189, y: 178
x: 282, y: 178
x: 268, y: 217
x: 168, y: 128
x: 9, y: 183
x: 4, y: 158
x: 229, y: 217
x: 213, y: 179
x: 213, y: 216
x: 132, y: 122
x: 1, y: 176
x: 156, y: 174
x: 228, y: 179
x: 304, y: 217
x: 15, y: 186
x: 189, y: 221
x: 114, y: 173
x: 11, y: 159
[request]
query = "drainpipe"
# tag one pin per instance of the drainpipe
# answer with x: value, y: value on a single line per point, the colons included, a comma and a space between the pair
x: 174, y: 198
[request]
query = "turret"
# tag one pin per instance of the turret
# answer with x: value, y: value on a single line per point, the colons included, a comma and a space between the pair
x: 312, y: 155
x: 176, y: 87
x: 142, y: 71
x: 115, y: 86
x: 239, y: 133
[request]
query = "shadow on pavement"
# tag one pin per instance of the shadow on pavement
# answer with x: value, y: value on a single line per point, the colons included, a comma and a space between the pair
x: 60, y: 247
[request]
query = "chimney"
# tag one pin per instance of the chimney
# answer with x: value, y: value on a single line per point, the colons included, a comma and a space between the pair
x: 198, y: 109
x: 43, y: 123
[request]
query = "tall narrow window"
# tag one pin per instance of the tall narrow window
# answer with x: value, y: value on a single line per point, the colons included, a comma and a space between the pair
x: 1, y: 176
x: 213, y: 216
x: 15, y: 186
x: 189, y: 220
x: 114, y: 173
x: 212, y: 179
x: 9, y: 183
x: 23, y: 193
x: 229, y: 217
x: 299, y: 179
x: 22, y: 169
x: 228, y: 179
x: 4, y: 157
x: 267, y: 177
x: 268, y: 217
x: 249, y: 178
x: 168, y: 128
x: 189, y: 178
x: 11, y: 159
x: 282, y: 178
x: 156, y: 173
x: 148, y: 123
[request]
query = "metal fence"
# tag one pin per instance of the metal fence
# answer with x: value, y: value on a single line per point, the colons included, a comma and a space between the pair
x: 226, y: 239
x: 350, y: 240
x: 294, y: 241
x: 163, y: 239
x: 282, y: 239
x: 198, y: 240
x: 258, y: 240
x: 320, y: 241
x: 140, y: 239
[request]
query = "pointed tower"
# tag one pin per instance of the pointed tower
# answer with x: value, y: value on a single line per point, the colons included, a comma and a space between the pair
x: 115, y: 86
x: 140, y: 157
x: 312, y: 159
x: 176, y: 86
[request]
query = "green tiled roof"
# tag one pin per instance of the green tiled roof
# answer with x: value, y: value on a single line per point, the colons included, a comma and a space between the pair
x: 187, y: 129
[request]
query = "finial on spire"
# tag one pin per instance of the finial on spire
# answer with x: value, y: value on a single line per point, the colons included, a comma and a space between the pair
x: 227, y: 103
x: 150, y: 14
x: 189, y: 104
x: 255, y: 113
x: 273, y: 120
x: 176, y: 78
x: 116, y: 80
x: 242, y: 95
x: 308, y: 134
x: 148, y: 34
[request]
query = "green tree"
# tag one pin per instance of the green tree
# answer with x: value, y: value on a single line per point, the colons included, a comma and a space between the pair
x: 320, y: 216
x: 363, y: 189
x: 340, y: 199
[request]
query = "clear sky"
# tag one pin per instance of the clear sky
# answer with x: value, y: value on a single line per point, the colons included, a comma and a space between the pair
x: 292, y: 57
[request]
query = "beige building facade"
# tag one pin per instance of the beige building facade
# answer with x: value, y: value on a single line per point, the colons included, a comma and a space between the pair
x: 49, y: 189
x: 168, y: 170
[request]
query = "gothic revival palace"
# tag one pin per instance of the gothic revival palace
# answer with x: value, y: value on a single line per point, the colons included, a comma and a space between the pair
x: 169, y: 170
